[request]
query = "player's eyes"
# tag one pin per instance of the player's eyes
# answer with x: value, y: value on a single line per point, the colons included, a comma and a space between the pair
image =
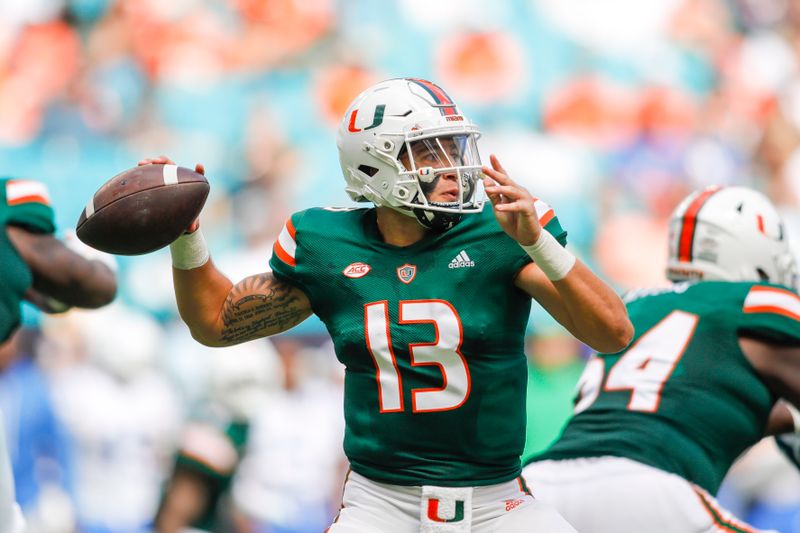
x: 450, y: 154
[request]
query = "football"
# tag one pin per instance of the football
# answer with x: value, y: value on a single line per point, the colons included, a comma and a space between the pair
x: 142, y: 209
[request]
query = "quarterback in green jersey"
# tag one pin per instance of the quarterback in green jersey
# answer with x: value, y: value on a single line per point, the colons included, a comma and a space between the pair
x: 426, y: 297
x: 37, y: 267
x: 659, y: 424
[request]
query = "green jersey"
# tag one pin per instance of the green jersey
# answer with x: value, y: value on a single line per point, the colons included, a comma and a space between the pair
x: 683, y: 397
x: 26, y: 204
x: 431, y: 336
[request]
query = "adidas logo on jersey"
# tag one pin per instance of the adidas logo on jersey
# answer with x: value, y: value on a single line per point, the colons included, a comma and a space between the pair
x: 462, y: 260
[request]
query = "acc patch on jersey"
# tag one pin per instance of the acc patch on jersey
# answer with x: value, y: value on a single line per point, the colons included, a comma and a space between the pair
x: 356, y: 270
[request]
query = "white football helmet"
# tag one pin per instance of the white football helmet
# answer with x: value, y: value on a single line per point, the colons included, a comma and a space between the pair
x: 410, y: 120
x: 731, y: 234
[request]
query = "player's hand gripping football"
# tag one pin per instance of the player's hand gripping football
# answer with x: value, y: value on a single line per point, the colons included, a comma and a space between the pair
x: 164, y: 160
x: 513, y: 204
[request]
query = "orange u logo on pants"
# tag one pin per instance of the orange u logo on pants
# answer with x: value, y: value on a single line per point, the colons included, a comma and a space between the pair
x: 433, y: 511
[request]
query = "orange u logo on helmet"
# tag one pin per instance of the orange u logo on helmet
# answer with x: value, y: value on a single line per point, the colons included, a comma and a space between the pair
x: 377, y: 119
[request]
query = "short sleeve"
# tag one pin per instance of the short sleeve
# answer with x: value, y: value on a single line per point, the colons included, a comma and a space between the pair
x: 771, y: 313
x: 549, y: 221
x: 284, y: 252
x: 28, y: 206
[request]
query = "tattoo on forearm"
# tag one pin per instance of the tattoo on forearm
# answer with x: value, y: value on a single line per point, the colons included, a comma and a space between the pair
x: 258, y: 306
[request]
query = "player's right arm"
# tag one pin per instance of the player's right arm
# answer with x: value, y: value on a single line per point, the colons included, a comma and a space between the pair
x: 220, y: 313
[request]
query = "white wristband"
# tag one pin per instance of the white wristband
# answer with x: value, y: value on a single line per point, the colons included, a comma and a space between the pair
x: 795, y: 416
x: 548, y: 254
x: 189, y: 251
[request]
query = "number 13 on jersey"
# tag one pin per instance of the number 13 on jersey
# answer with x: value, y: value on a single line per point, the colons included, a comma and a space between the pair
x: 644, y: 367
x: 443, y: 352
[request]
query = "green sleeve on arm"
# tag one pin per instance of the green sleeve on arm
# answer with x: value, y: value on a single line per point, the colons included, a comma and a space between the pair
x: 284, y: 252
x: 554, y: 228
x: 770, y: 313
x: 26, y: 203
x: 34, y: 217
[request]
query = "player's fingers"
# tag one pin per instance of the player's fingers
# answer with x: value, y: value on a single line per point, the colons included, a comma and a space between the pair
x: 496, y: 164
x: 160, y: 160
x: 194, y: 226
x: 506, y: 190
x: 496, y: 199
x: 499, y: 168
x: 497, y: 176
x: 518, y: 206
x: 488, y: 183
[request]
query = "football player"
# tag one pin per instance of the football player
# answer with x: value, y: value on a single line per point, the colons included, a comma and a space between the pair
x: 426, y: 296
x: 37, y: 267
x: 658, y: 425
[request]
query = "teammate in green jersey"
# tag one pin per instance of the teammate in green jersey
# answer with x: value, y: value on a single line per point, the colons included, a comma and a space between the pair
x: 37, y: 267
x: 658, y: 425
x: 426, y: 297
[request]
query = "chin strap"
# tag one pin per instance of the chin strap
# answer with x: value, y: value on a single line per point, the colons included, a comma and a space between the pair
x: 438, y: 221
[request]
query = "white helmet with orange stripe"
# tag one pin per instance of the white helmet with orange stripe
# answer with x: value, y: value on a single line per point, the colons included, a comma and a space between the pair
x: 397, y: 138
x: 731, y: 234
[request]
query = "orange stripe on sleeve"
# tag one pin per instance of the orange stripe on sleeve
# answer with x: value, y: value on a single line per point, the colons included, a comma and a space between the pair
x: 772, y: 300
x: 772, y: 309
x: 547, y: 217
x: 29, y: 199
x: 283, y: 256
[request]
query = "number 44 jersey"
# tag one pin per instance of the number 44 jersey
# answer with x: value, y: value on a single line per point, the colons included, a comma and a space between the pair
x: 683, y: 397
x: 431, y: 336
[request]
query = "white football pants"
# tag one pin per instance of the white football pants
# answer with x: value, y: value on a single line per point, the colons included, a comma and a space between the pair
x: 372, y: 507
x: 617, y: 495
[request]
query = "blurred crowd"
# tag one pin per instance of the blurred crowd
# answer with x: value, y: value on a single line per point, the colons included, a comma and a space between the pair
x: 611, y: 110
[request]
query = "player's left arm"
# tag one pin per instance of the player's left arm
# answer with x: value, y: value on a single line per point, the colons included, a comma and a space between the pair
x: 61, y: 273
x: 562, y: 284
x: 583, y: 304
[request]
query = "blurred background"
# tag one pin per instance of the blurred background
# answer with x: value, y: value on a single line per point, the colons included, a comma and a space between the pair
x: 610, y: 110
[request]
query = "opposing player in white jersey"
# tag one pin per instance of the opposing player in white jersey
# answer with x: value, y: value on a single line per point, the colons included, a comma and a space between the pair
x: 659, y: 424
